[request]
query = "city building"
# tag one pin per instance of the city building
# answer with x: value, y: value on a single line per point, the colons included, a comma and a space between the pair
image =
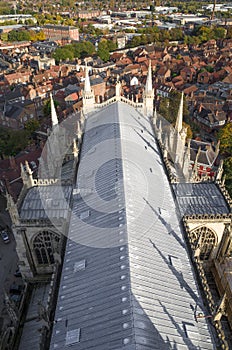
x: 60, y: 33
x: 21, y: 18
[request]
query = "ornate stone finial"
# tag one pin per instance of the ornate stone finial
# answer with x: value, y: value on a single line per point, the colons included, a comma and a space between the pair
x: 79, y: 132
x: 118, y: 88
x: 148, y: 96
x: 11, y: 309
x: 223, y: 180
x: 220, y: 171
x: 186, y: 162
x: 12, y: 208
x: 148, y: 87
x: 197, y: 156
x: 165, y: 146
x: 28, y: 169
x: 75, y: 149
x: 221, y: 308
x: 194, y: 175
x: 30, y: 181
x: 217, y: 149
x: 87, y: 88
x: 82, y: 117
x: 53, y: 113
x: 179, y: 119
x: 88, y: 94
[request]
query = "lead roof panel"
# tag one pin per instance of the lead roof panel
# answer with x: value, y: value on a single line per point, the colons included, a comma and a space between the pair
x: 138, y: 289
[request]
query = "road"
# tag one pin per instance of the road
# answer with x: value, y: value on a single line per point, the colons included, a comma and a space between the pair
x: 8, y: 260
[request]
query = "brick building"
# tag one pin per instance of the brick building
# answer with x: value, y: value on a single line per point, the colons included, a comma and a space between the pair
x: 60, y: 33
x: 89, y: 14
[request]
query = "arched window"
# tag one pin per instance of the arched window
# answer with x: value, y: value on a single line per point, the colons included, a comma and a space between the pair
x: 45, y: 244
x: 206, y: 239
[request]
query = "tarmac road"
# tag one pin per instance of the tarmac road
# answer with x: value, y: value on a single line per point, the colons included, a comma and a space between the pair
x: 8, y: 259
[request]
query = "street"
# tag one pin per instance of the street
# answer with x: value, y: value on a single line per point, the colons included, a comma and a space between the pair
x: 8, y: 261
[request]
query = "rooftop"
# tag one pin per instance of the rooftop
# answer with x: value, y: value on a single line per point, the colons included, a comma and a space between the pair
x: 200, y: 198
x: 46, y: 202
x: 127, y: 281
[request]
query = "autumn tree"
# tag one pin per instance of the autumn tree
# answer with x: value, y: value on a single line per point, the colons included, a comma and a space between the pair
x: 104, y: 48
x: 225, y: 137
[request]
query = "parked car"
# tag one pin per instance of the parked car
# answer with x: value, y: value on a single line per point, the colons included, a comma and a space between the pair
x: 5, y: 236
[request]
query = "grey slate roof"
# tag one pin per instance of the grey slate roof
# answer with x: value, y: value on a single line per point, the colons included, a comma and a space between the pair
x: 200, y: 198
x: 45, y: 202
x: 127, y: 281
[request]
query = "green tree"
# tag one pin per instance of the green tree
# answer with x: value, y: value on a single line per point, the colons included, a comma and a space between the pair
x: 4, y: 36
x: 228, y: 173
x: 103, y: 50
x: 32, y: 125
x: 13, y: 141
x: 225, y: 137
x: 21, y: 35
x: 62, y: 54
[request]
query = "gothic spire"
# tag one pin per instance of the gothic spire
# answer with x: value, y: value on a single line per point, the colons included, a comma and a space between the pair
x: 53, y: 113
x: 179, y: 119
x: 87, y: 88
x: 12, y: 209
x: 148, y: 87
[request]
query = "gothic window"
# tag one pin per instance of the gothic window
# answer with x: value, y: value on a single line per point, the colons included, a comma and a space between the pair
x: 206, y: 239
x: 45, y: 244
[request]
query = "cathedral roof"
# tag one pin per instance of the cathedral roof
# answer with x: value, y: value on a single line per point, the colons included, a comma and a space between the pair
x: 46, y: 203
x: 200, y: 198
x: 127, y: 281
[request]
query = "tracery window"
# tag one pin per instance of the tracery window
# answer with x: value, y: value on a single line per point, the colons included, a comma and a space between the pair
x: 206, y: 239
x: 45, y: 244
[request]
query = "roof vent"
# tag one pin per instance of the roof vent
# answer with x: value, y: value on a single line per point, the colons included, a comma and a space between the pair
x: 72, y: 337
x: 79, y: 265
x: 84, y: 214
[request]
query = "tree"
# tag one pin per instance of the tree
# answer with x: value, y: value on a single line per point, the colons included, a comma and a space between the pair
x: 32, y: 125
x: 13, y: 141
x: 62, y: 54
x: 21, y: 35
x: 103, y: 50
x: 228, y: 173
x: 225, y: 137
